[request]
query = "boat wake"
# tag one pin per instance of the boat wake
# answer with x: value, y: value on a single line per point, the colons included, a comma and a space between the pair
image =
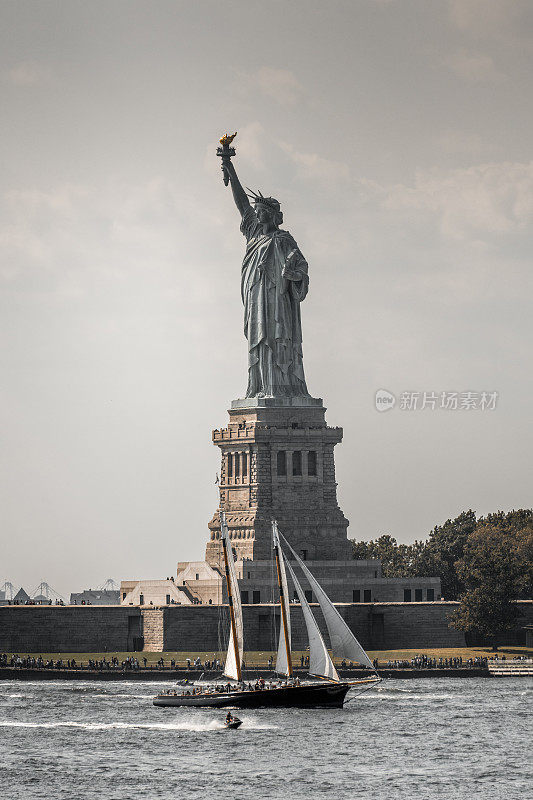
x: 195, y: 726
x: 123, y: 696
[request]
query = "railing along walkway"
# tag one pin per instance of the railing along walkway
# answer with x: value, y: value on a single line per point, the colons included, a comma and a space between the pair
x: 511, y: 668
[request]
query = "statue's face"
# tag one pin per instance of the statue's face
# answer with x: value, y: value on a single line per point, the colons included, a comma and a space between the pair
x: 264, y: 214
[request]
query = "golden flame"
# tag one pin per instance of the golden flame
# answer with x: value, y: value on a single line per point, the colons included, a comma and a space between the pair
x: 227, y: 139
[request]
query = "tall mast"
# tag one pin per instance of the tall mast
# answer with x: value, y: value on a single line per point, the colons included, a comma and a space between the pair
x: 282, y: 600
x: 230, y: 600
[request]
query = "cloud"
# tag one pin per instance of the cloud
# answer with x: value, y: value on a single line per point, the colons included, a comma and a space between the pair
x: 315, y: 168
x: 251, y: 144
x: 478, y: 203
x: 280, y: 85
x: 28, y: 73
x: 69, y: 238
x: 481, y: 19
x: 460, y: 142
x: 473, y: 67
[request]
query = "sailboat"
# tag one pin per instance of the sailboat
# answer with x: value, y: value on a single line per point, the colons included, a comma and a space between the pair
x: 323, y: 689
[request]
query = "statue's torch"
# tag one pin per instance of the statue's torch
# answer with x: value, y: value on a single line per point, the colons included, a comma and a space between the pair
x: 226, y: 152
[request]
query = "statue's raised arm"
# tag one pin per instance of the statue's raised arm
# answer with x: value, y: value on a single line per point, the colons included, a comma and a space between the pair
x: 239, y: 195
x: 226, y: 152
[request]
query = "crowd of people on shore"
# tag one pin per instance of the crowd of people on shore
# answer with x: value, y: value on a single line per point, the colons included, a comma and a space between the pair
x: 132, y: 663
x: 426, y: 662
x: 100, y: 665
x: 206, y: 665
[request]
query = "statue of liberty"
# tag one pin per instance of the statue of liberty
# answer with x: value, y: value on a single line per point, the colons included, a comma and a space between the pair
x: 274, y: 281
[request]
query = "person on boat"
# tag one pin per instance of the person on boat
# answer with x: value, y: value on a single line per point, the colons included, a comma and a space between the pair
x: 229, y: 718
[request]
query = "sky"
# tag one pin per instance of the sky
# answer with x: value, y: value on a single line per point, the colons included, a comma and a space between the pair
x: 397, y: 137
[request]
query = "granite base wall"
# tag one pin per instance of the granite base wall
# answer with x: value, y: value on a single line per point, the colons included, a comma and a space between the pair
x: 203, y: 628
x: 383, y: 626
x: 68, y: 629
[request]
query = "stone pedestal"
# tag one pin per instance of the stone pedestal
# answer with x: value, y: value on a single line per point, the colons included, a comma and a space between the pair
x: 277, y: 461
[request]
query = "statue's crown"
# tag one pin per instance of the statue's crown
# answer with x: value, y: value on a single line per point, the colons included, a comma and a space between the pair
x: 271, y: 202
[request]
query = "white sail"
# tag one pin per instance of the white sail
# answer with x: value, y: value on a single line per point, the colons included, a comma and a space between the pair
x: 282, y: 665
x: 234, y: 653
x: 343, y: 642
x: 319, y: 661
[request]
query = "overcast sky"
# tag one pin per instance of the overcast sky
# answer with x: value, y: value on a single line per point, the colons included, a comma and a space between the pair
x: 397, y: 136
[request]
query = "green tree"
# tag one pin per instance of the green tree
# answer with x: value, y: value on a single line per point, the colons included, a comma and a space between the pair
x: 485, y: 611
x: 515, y: 520
x: 524, y: 551
x: 397, y: 560
x: 496, y: 556
x: 362, y: 551
x: 495, y: 570
x: 466, y: 553
x: 444, y: 548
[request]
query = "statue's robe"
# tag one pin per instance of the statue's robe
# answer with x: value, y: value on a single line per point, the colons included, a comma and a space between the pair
x: 273, y: 284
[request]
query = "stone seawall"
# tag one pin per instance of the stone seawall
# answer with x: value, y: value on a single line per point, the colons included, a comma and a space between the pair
x: 69, y: 629
x: 378, y: 626
x: 204, y: 628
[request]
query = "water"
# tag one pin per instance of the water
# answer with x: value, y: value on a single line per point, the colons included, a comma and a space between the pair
x: 441, y: 738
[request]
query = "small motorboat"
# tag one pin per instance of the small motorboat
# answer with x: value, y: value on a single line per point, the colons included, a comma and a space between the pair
x: 232, y: 723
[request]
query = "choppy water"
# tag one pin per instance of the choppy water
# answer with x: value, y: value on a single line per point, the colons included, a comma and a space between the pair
x: 440, y: 738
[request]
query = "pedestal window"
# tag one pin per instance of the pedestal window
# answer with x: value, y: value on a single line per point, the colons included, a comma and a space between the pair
x: 297, y: 462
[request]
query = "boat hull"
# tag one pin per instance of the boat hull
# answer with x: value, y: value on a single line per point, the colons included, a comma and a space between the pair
x: 232, y: 726
x: 314, y: 695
